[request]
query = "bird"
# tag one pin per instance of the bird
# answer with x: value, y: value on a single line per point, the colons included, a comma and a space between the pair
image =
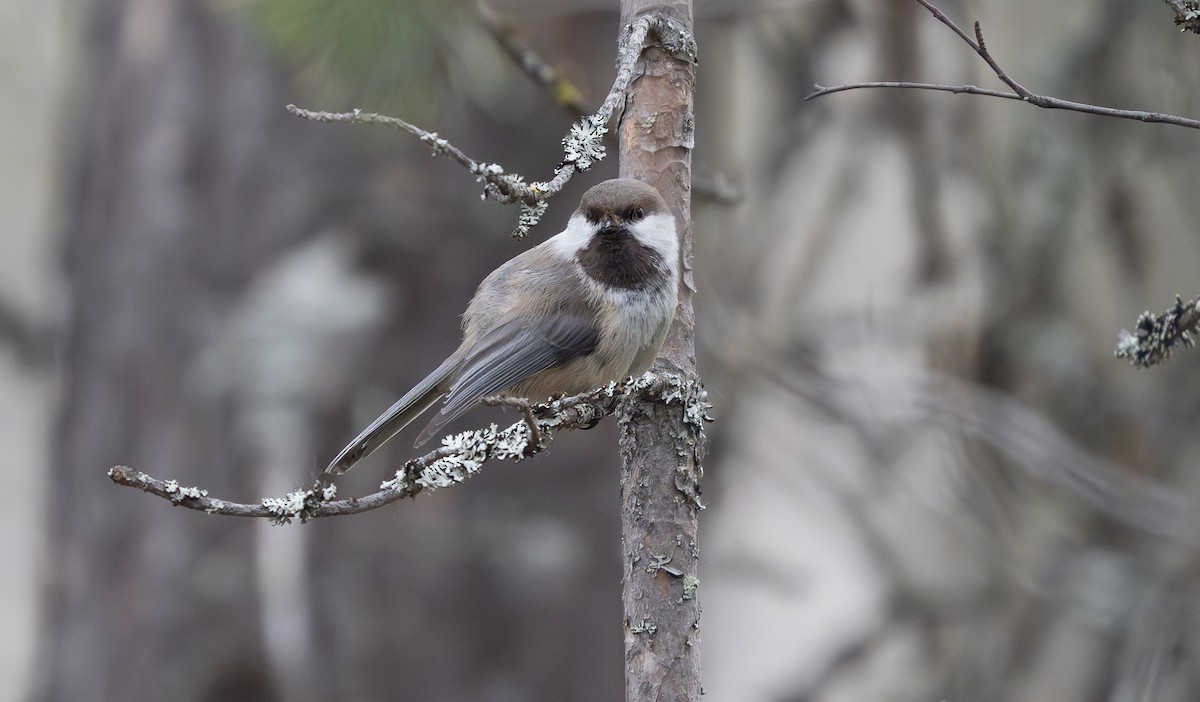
x: 589, y: 305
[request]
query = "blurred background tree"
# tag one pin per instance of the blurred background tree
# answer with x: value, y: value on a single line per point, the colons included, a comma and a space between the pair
x: 930, y: 480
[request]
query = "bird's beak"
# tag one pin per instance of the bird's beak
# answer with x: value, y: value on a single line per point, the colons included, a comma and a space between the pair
x: 611, y: 224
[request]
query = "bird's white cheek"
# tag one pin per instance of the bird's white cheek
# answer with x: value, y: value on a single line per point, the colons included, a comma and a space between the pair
x: 569, y: 241
x: 658, y: 232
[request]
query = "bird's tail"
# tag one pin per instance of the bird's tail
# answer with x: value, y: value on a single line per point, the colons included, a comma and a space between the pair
x: 398, y: 416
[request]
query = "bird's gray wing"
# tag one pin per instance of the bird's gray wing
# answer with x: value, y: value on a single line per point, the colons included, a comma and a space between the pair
x: 388, y: 424
x: 510, y: 353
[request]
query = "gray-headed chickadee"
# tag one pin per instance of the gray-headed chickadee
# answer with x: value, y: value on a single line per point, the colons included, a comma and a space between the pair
x: 590, y: 305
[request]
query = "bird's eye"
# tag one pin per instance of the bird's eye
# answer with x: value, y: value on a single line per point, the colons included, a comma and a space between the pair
x: 636, y: 214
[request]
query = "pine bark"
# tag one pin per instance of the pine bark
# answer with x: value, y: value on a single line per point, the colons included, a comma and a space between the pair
x: 660, y: 453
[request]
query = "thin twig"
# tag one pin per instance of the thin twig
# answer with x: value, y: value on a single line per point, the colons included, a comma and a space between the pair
x: 941, y: 17
x: 978, y: 45
x: 509, y: 189
x: 981, y: 49
x: 461, y: 455
x: 820, y: 90
x: 582, y: 146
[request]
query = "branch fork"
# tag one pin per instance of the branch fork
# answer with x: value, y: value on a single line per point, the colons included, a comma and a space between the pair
x: 583, y: 145
x: 1019, y: 92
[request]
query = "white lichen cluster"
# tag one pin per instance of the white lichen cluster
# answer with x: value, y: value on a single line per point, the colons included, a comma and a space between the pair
x: 1155, y: 337
x: 483, y: 171
x: 470, y: 452
x: 497, y: 184
x: 398, y: 484
x: 586, y: 413
x: 688, y: 393
x: 584, y: 144
x: 466, y: 454
x: 439, y: 145
x: 509, y: 188
x: 676, y: 389
x: 1127, y: 344
x: 179, y: 492
x: 298, y: 504
x: 529, y: 217
x: 513, y: 442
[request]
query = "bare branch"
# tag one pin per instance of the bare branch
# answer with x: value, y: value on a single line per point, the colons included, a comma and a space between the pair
x: 460, y: 457
x: 941, y: 17
x: 1019, y: 91
x: 505, y: 188
x: 820, y: 90
x: 1155, y: 337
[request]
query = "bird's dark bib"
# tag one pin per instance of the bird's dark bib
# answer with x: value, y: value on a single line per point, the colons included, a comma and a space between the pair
x: 614, y: 257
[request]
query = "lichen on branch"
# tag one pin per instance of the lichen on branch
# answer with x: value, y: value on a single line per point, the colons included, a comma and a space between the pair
x: 461, y: 455
x: 1155, y: 337
x: 583, y: 145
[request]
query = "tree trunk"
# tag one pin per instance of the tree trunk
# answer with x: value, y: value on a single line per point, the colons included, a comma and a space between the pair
x: 660, y: 452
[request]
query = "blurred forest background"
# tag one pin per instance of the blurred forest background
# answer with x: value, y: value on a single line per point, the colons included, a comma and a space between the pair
x: 930, y: 479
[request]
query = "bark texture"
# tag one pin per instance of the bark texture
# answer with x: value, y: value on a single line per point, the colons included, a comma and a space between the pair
x: 660, y: 453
